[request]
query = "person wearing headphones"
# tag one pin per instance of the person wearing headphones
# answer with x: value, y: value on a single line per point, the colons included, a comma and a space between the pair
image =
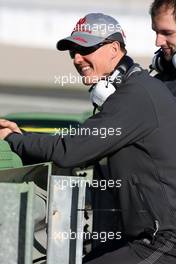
x: 133, y: 129
x: 163, y: 15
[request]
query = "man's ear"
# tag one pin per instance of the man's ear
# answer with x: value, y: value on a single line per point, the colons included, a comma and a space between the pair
x: 115, y: 48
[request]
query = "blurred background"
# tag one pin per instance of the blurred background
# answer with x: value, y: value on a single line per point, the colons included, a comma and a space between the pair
x: 30, y: 65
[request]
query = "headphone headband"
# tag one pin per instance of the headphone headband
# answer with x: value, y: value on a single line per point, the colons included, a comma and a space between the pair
x: 160, y: 64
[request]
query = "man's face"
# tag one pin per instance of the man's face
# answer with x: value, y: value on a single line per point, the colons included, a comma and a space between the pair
x: 95, y: 65
x: 164, y: 24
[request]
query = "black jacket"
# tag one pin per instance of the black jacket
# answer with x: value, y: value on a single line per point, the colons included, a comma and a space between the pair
x: 169, y: 78
x: 143, y: 156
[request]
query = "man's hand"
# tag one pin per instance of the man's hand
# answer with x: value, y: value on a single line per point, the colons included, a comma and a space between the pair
x: 8, y: 127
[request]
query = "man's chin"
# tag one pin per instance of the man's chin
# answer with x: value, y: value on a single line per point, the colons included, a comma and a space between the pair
x: 168, y: 57
x: 87, y: 84
x: 87, y: 80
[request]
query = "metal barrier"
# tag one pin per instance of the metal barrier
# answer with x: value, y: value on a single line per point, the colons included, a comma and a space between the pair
x: 66, y: 220
x: 16, y: 223
x: 30, y: 196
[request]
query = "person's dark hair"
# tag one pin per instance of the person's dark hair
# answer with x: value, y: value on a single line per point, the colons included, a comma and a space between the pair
x: 117, y: 36
x: 157, y: 4
x: 122, y: 47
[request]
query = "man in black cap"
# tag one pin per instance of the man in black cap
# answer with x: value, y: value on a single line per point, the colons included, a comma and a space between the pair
x: 134, y: 129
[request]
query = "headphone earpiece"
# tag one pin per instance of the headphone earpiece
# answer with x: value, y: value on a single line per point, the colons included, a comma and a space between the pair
x: 100, y: 91
x: 174, y: 60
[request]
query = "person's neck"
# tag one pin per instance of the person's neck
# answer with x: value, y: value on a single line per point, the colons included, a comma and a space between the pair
x: 117, y: 61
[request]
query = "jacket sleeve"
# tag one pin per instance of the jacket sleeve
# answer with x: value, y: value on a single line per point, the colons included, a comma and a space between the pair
x: 127, y: 116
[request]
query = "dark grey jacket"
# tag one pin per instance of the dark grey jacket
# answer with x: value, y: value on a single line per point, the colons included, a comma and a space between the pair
x: 143, y: 156
x: 169, y: 78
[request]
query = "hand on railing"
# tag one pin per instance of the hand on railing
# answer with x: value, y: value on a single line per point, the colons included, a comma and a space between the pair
x: 8, y: 127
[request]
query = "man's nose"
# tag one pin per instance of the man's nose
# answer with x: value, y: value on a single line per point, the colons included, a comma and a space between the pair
x: 78, y: 58
x: 160, y: 40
